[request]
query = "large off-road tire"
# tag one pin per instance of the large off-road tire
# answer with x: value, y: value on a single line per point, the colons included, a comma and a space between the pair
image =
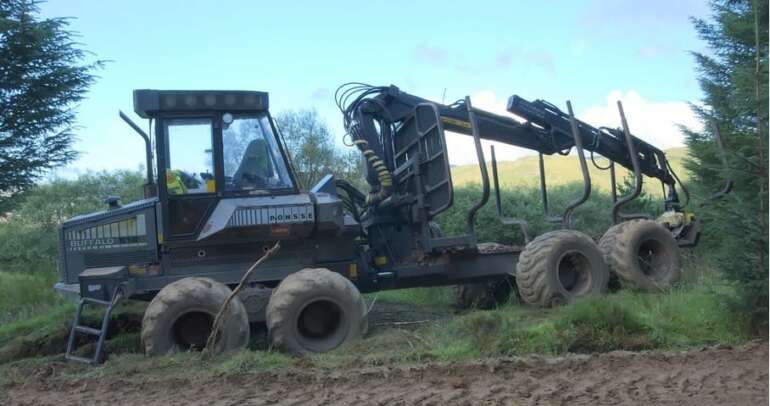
x: 560, y: 266
x: 643, y: 254
x: 180, y: 317
x: 315, y: 310
x: 483, y: 295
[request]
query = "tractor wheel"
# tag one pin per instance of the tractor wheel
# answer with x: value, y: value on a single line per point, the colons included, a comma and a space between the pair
x: 181, y: 315
x: 643, y: 254
x: 560, y: 266
x: 315, y: 310
x: 483, y: 295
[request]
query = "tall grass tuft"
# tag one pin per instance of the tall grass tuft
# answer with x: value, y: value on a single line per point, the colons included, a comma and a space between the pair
x: 24, y: 295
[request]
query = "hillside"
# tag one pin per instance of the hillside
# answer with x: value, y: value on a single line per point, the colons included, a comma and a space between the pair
x: 560, y: 170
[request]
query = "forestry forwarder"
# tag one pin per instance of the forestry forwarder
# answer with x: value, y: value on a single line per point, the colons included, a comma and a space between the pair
x: 225, y: 191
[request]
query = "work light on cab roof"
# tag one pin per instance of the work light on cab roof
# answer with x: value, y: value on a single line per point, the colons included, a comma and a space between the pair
x: 149, y: 102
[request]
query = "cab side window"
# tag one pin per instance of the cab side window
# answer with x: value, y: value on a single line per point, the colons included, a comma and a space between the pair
x: 189, y: 157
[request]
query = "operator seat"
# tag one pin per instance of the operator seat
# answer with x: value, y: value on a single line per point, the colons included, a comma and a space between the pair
x: 255, y: 168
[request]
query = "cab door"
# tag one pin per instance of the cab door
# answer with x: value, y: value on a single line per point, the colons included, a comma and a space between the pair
x: 187, y: 166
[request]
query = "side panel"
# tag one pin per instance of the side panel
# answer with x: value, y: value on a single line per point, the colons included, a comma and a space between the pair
x: 125, y: 236
x: 226, y: 263
x: 260, y: 218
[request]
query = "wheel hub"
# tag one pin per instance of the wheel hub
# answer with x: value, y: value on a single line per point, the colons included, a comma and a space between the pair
x: 653, y: 258
x: 192, y: 329
x: 319, y: 319
x: 574, y: 272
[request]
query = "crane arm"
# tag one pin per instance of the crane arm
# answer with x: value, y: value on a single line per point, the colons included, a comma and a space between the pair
x: 546, y: 129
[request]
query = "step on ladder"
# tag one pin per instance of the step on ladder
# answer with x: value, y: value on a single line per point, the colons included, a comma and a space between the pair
x: 101, y: 333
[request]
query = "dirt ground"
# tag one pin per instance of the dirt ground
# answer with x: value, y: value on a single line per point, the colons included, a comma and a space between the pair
x: 711, y: 376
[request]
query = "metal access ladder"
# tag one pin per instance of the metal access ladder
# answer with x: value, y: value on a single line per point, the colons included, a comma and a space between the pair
x: 101, y: 332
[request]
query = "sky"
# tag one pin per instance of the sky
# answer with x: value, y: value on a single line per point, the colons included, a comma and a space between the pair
x: 590, y: 52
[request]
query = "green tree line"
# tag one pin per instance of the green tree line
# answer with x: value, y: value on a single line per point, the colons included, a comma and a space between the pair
x: 733, y: 75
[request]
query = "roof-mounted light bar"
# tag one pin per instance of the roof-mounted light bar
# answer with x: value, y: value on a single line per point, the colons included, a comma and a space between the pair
x: 150, y: 102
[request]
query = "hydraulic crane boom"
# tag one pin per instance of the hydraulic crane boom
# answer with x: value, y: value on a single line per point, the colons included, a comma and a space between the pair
x: 546, y: 130
x: 608, y: 142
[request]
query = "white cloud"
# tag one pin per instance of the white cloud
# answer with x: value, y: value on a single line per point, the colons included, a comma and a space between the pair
x: 461, y: 148
x: 654, y: 122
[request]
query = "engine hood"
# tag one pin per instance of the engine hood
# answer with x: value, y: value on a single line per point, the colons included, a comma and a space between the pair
x: 106, y: 214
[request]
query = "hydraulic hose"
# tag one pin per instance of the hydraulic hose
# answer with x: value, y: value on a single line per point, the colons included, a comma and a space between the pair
x: 354, y: 119
x: 383, y: 174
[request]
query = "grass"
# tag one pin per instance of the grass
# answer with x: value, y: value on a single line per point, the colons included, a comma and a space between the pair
x: 433, y: 296
x: 33, y: 318
x: 39, y: 335
x: 689, y: 316
x: 698, y: 312
x: 560, y: 170
x: 24, y: 295
x: 46, y: 333
x: 695, y: 314
x: 248, y: 361
x: 686, y: 317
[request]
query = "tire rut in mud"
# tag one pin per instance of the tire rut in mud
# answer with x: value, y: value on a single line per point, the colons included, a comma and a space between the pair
x: 710, y: 376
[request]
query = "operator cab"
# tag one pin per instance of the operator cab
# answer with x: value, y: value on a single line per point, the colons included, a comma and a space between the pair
x: 251, y: 157
x: 192, y: 124
x: 212, y: 145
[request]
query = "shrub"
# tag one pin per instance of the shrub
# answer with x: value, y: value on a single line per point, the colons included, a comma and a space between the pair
x: 28, y: 235
x: 483, y: 330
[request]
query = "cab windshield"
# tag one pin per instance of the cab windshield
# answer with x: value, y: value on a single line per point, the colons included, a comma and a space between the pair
x: 252, y: 159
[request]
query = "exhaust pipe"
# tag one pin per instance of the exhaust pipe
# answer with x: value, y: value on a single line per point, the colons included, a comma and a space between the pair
x: 150, y: 190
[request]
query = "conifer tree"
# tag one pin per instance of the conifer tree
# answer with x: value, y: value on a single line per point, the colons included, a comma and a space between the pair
x: 43, y: 75
x: 733, y: 75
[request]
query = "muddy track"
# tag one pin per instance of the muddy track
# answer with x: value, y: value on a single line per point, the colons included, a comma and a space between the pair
x: 711, y: 376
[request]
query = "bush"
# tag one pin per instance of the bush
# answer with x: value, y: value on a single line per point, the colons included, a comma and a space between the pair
x: 27, y: 247
x: 28, y: 235
x: 483, y: 330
